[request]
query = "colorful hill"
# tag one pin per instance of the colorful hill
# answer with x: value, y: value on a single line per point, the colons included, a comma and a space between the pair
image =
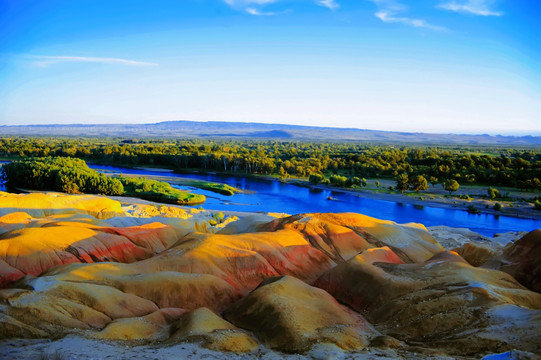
x: 106, y: 270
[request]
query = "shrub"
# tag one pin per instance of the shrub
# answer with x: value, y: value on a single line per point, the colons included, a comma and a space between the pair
x: 473, y: 210
x: 493, y: 193
x: 154, y: 190
x: 316, y: 178
x: 338, y: 180
x: 497, y: 206
x: 451, y: 186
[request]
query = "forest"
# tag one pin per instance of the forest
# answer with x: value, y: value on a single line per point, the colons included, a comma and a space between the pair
x: 341, y: 164
x: 73, y: 176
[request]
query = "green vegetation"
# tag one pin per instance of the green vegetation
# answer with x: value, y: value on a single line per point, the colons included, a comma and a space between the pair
x: 483, y: 166
x: 497, y: 206
x: 419, y: 183
x: 223, y: 189
x: 473, y: 210
x: 494, y: 193
x: 159, y: 191
x: 451, y: 185
x: 217, y: 218
x: 402, y: 182
x: 537, y: 205
x: 70, y: 175
x: 316, y: 178
x: 59, y: 174
x: 338, y: 180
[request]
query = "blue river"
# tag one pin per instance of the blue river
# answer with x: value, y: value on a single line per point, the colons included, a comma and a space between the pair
x: 274, y: 196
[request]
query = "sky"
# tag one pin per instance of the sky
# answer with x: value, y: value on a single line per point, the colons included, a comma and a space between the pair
x: 461, y: 66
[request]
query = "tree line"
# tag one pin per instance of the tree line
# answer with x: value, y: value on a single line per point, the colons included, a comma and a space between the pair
x: 333, y: 162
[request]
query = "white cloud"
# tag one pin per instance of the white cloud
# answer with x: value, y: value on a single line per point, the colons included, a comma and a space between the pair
x: 45, y: 61
x: 476, y: 7
x: 255, y: 7
x: 244, y: 3
x: 250, y: 6
x: 331, y: 4
x: 254, y: 11
x: 389, y: 17
x: 390, y: 10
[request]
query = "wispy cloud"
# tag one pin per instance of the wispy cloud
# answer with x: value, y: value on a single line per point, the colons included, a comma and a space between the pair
x: 257, y: 7
x: 331, y: 4
x: 388, y: 17
x: 476, y: 7
x: 252, y: 7
x: 256, y: 12
x: 242, y: 3
x: 45, y: 61
x: 390, y: 11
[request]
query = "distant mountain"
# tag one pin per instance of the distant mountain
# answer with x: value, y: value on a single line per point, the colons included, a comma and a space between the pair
x: 222, y: 129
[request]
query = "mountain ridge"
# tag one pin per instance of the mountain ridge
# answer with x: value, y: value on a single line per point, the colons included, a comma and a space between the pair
x: 222, y: 129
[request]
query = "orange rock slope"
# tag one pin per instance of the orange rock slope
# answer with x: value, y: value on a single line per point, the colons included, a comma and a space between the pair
x: 152, y: 273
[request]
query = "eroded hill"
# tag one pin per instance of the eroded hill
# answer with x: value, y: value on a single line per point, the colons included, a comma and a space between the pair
x: 92, y: 266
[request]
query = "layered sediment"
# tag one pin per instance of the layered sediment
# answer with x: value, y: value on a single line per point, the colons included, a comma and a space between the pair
x: 152, y: 274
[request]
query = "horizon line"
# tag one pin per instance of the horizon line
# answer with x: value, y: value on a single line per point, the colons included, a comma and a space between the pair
x: 525, y: 133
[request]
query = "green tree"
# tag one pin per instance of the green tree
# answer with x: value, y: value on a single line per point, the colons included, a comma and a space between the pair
x: 451, y: 186
x: 316, y: 178
x: 493, y: 193
x: 402, y: 182
x: 338, y: 180
x: 419, y: 183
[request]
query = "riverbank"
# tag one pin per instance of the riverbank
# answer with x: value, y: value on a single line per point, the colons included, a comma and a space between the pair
x: 219, y: 188
x: 431, y: 198
x: 522, y: 210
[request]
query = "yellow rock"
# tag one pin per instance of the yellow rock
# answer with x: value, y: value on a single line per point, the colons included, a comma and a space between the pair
x: 344, y: 235
x: 105, y: 299
x: 289, y: 315
x: 54, y: 315
x: 180, y: 290
x: 243, y: 260
x: 150, y: 327
x: 12, y: 328
x: 358, y: 282
x: 476, y: 254
x: 18, y: 217
x: 33, y: 250
x: 44, y: 204
x: 202, y: 325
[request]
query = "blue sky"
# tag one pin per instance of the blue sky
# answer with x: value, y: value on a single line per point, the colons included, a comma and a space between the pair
x: 467, y: 66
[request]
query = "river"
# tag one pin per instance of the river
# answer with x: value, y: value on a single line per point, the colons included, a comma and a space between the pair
x: 274, y: 196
